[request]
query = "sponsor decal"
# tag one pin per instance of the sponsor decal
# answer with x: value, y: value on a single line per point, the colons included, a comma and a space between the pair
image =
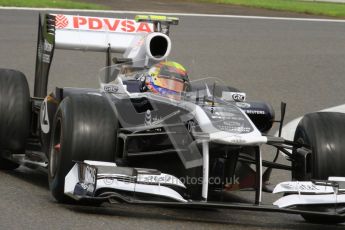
x: 238, y: 96
x: 61, y: 21
x: 90, y: 174
x: 47, y: 46
x: 238, y: 139
x: 148, y: 118
x: 236, y: 118
x: 44, y: 120
x: 84, y: 186
x: 308, y: 187
x: 300, y: 186
x: 109, y: 181
x: 234, y: 127
x: 232, y: 123
x: 164, y: 179
x: 243, y: 105
x: 111, y: 88
x: 191, y: 126
x: 40, y: 51
x: 255, y: 112
x: 152, y: 118
x: 46, y: 58
x: 44, y: 51
x: 102, y: 24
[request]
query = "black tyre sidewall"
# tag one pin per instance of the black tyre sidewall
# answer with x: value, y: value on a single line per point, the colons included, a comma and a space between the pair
x: 88, y: 132
x: 15, y: 114
x: 321, y: 219
x: 324, y: 132
x: 15, y: 110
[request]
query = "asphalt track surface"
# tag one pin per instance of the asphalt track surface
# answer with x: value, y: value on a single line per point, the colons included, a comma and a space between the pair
x: 190, y: 6
x: 299, y: 62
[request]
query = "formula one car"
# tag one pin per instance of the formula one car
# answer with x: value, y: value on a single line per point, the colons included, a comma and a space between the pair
x: 150, y: 135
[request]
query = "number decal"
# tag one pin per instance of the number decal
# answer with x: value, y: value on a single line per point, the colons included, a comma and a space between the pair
x: 44, y: 117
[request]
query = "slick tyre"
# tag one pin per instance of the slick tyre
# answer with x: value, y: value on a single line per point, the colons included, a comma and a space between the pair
x: 14, y: 114
x: 324, y: 132
x: 84, y: 128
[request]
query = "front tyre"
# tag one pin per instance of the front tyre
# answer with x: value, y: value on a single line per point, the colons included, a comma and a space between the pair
x: 14, y: 114
x: 84, y: 128
x: 324, y: 132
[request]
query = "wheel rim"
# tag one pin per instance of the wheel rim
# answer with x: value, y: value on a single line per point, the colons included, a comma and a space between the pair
x: 55, y: 149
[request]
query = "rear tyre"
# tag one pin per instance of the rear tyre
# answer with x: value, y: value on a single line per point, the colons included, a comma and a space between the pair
x: 84, y: 128
x: 14, y: 114
x: 324, y: 132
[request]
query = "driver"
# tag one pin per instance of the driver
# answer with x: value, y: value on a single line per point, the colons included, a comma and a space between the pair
x: 168, y: 79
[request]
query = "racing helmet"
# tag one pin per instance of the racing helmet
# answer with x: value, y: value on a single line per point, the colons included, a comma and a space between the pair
x: 167, y: 78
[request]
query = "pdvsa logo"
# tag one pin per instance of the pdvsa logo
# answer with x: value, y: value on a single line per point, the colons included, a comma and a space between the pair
x: 71, y: 22
x: 61, y: 21
x: 110, y: 24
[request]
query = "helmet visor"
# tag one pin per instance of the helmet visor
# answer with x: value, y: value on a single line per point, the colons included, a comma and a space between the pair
x: 170, y: 84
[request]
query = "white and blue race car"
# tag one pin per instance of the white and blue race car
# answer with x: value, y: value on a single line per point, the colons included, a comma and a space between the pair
x: 121, y: 143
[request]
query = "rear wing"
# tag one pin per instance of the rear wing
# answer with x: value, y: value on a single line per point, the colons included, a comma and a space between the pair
x: 110, y: 35
x: 160, y: 23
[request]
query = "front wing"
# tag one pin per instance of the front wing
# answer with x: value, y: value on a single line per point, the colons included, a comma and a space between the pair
x: 106, y: 182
